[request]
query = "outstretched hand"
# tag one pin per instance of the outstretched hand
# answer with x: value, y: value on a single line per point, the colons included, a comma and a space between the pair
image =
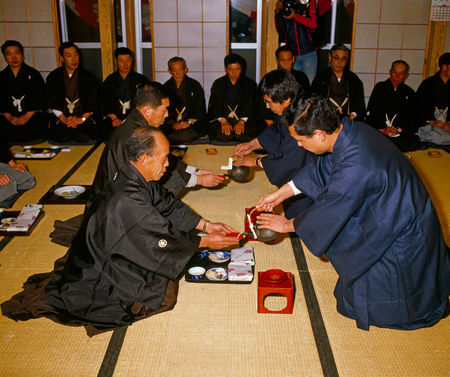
x: 219, y: 228
x: 244, y: 149
x: 218, y: 241
x: 207, y: 178
x: 266, y: 203
x: 277, y: 223
x: 245, y: 161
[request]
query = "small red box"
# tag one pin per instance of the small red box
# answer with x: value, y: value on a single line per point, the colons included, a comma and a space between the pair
x: 278, y: 282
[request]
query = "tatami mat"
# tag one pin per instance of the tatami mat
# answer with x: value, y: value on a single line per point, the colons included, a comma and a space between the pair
x: 214, y: 329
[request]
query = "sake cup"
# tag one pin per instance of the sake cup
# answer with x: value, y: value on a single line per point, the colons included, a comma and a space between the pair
x: 196, y: 273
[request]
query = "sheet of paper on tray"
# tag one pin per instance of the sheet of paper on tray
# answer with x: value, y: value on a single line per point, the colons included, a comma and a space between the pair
x: 243, y: 256
x: 25, y: 218
x: 239, y: 272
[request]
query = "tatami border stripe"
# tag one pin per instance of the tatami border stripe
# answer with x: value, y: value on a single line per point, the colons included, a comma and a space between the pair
x: 112, y: 353
x: 78, y: 164
x: 323, y: 346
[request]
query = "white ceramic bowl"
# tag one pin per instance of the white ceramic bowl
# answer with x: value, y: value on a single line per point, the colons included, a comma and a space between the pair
x: 70, y: 192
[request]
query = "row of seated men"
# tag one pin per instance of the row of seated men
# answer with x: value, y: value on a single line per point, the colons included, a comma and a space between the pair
x: 81, y: 111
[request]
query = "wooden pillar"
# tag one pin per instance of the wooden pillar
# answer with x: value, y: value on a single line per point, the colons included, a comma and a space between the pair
x: 435, y: 47
x: 56, y: 30
x: 269, y: 37
x: 107, y: 35
x: 129, y: 25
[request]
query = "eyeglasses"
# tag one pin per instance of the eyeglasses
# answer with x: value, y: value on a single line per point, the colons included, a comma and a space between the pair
x: 268, y: 103
x: 342, y: 59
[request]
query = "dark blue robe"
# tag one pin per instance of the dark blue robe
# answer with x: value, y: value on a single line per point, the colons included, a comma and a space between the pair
x: 284, y: 157
x: 374, y: 219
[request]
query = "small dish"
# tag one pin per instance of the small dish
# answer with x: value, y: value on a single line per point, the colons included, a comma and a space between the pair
x: 218, y: 273
x: 219, y: 256
x: 274, y: 276
x: 8, y: 220
x: 70, y: 192
x: 196, y: 272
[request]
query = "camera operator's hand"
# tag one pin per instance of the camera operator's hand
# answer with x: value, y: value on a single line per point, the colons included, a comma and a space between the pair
x: 291, y: 16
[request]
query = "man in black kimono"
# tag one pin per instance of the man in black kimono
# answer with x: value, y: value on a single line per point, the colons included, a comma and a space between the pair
x: 391, y: 107
x: 341, y: 86
x: 119, y: 89
x: 187, y: 120
x: 151, y: 102
x: 22, y: 98
x: 72, y: 96
x: 132, y: 247
x: 232, y: 103
x: 372, y: 217
x: 433, y: 101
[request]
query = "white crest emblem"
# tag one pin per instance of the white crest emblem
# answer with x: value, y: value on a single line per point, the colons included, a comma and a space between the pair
x: 162, y: 243
x: 125, y: 106
x: 71, y: 105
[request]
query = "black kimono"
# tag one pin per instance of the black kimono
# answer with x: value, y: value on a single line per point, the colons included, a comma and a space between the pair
x: 347, y: 95
x: 85, y: 99
x: 187, y: 103
x: 396, y: 107
x: 432, y: 93
x: 18, y: 95
x: 233, y: 102
x: 121, y: 267
x: 117, y: 96
x: 114, y: 157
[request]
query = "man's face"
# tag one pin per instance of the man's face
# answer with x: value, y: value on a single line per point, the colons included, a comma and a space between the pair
x: 314, y: 143
x: 124, y: 64
x: 156, y: 117
x: 286, y: 60
x: 338, y: 60
x: 445, y: 69
x: 398, y: 74
x: 233, y: 71
x: 155, y: 166
x: 13, y: 57
x: 70, y: 58
x: 276, y: 107
x: 178, y: 71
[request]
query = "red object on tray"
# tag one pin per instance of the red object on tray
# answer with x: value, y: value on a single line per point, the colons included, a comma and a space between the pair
x: 253, y: 215
x: 275, y: 282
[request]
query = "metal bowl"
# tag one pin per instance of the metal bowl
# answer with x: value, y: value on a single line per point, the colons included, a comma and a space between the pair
x: 239, y: 173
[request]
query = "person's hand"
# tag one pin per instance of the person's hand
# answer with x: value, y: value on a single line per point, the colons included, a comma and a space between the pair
x: 267, y: 202
x: 69, y: 121
x: 239, y: 127
x: 219, y: 228
x: 24, y: 118
x: 436, y: 123
x: 115, y: 121
x: 291, y: 16
x: 207, y: 178
x: 389, y: 131
x: 11, y: 119
x: 447, y: 126
x: 226, y: 127
x: 249, y: 161
x: 180, y: 125
x: 277, y: 223
x: 16, y: 166
x: 218, y: 241
x: 245, y: 148
x: 4, y: 179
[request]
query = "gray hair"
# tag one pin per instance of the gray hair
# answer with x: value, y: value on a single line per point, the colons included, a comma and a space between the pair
x: 141, y: 141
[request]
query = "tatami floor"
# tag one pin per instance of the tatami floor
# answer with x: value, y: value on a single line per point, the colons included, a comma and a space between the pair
x: 215, y: 329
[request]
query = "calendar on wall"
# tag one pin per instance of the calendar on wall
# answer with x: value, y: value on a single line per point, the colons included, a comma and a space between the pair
x: 440, y: 10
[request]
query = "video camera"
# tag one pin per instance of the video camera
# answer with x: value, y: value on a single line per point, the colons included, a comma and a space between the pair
x: 298, y: 6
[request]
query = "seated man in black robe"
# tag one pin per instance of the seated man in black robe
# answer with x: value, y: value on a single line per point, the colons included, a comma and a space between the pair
x: 391, y: 107
x: 22, y: 98
x: 342, y: 87
x: 119, y: 89
x: 232, y: 103
x: 14, y: 177
x: 132, y: 247
x: 433, y: 100
x: 72, y: 96
x: 187, y: 120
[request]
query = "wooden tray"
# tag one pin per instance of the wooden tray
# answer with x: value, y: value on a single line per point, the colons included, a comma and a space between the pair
x: 5, y: 214
x: 51, y: 198
x: 35, y: 153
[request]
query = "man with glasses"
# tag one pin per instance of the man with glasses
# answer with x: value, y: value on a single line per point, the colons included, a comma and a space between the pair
x: 341, y: 86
